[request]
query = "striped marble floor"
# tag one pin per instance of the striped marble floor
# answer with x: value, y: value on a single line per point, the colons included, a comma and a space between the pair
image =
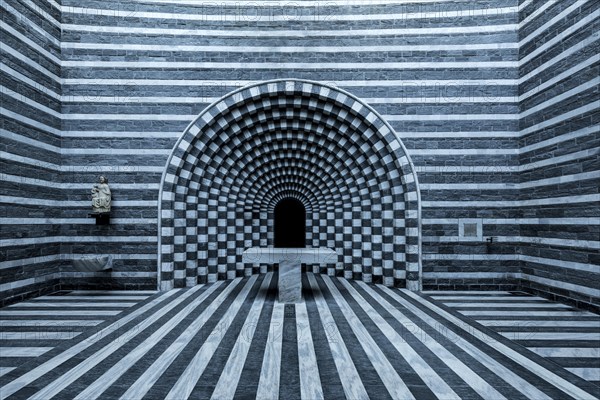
x: 562, y: 334
x: 232, y: 339
x: 34, y: 327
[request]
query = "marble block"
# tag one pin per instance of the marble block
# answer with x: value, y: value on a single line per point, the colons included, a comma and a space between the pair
x: 290, y: 282
x: 93, y: 263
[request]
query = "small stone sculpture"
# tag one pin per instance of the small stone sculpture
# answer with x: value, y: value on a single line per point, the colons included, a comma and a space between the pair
x: 101, y: 196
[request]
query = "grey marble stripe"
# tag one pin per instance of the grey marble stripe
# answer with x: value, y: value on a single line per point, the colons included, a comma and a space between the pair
x: 310, y: 382
x: 71, y: 352
x: 269, y: 375
x: 228, y: 381
x: 98, y: 387
x: 185, y: 384
x: 351, y: 382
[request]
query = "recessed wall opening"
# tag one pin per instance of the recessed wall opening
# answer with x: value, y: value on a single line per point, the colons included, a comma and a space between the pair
x: 290, y: 223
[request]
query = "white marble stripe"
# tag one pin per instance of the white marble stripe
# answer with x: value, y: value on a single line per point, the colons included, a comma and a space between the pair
x: 292, y: 33
x: 513, y: 221
x: 90, y: 298
x: 310, y: 382
x: 226, y: 85
x: 392, y: 381
x: 75, y: 186
x: 30, y: 313
x: 508, y: 313
x: 70, y: 376
x: 542, y: 372
x: 493, y: 305
x: 315, y: 15
x: 480, y: 385
x: 437, y: 385
x: 35, y: 65
x: 184, y: 386
x: 28, y: 121
x: 71, y: 352
x: 515, y: 298
x: 268, y: 383
x: 5, y: 370
x: 141, y: 386
x: 494, y: 366
x: 76, y: 323
x: 289, y: 65
x: 39, y: 335
x: 103, y: 382
x: 69, y: 304
x: 435, y: 99
x: 567, y: 352
x: 22, y: 352
x: 553, y: 336
x: 285, y: 49
x: 588, y: 198
x: 589, y: 374
x: 59, y: 203
x: 553, y: 323
x: 85, y: 221
x: 232, y: 371
x: 307, y: 3
x: 37, y: 9
x: 113, y: 292
x: 350, y: 380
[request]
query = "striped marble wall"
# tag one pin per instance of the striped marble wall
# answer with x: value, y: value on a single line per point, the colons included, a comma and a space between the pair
x: 559, y: 148
x: 446, y: 75
x: 31, y: 190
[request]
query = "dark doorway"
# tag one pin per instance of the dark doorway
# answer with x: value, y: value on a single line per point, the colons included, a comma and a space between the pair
x: 290, y: 224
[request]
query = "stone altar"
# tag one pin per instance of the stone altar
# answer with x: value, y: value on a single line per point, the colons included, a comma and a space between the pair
x: 289, y: 260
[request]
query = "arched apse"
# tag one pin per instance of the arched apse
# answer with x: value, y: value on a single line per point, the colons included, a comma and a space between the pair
x: 289, y: 139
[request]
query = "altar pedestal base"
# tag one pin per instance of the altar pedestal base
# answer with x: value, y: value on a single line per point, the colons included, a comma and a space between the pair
x: 290, y: 282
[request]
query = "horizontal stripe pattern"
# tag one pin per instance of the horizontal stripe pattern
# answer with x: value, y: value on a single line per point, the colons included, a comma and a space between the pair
x: 233, y: 339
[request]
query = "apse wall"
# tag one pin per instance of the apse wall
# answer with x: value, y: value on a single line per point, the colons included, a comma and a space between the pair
x: 560, y: 149
x: 31, y: 190
x: 443, y: 74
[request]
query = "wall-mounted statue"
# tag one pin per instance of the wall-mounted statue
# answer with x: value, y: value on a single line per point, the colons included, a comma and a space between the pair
x: 101, y: 196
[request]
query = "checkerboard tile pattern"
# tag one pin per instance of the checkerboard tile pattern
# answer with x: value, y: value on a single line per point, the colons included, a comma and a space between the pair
x: 281, y: 139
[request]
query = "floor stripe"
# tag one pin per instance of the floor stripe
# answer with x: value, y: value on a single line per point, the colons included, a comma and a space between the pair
x: 269, y: 375
x: 589, y: 374
x: 310, y: 384
x: 30, y: 376
x: 557, y: 381
x: 5, y: 370
x: 79, y: 313
x: 89, y: 298
x: 143, y: 384
x: 352, y: 384
x: 552, y: 336
x: 540, y: 323
x: 227, y: 383
x: 508, y: 305
x: 575, y: 352
x: 394, y: 384
x: 185, y: 384
x: 521, y: 313
x: 94, y: 390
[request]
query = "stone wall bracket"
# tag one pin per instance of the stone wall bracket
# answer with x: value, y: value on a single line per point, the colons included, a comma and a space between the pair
x: 101, y: 218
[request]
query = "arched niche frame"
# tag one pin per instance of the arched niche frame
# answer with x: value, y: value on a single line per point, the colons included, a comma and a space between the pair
x: 207, y: 171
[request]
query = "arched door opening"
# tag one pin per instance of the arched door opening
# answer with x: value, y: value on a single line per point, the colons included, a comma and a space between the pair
x: 290, y: 224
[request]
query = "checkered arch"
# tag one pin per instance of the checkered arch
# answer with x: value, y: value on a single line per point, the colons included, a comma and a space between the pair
x: 289, y: 139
